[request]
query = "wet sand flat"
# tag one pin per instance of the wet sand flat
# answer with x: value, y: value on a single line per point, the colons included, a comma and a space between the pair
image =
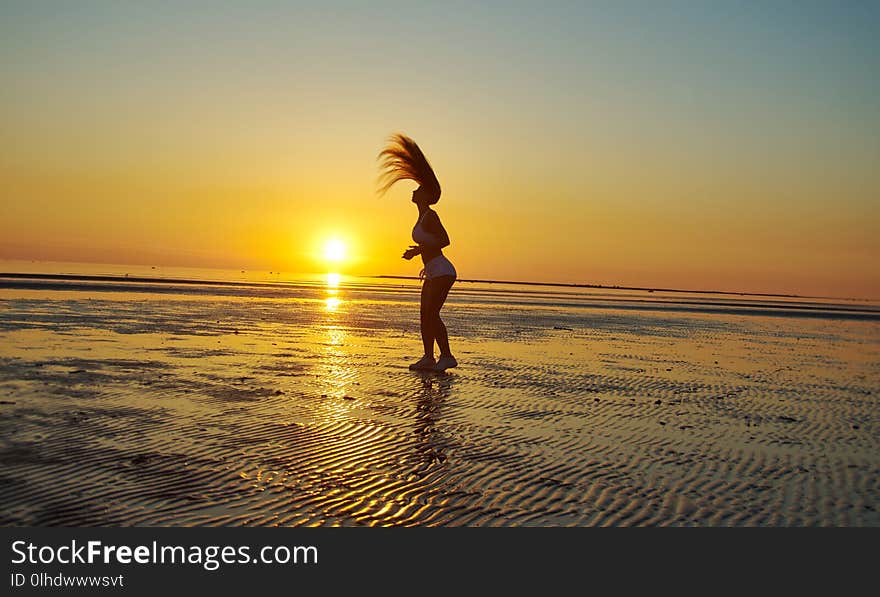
x: 145, y: 407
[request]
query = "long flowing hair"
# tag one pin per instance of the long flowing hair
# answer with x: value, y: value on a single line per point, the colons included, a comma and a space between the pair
x: 402, y: 159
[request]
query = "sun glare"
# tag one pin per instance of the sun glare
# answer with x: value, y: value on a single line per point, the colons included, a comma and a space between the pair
x: 334, y: 250
x: 331, y: 303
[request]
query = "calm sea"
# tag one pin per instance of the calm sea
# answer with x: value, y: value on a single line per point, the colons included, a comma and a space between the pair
x: 112, y: 279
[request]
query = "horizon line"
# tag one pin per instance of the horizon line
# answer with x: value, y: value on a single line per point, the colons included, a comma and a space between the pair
x: 467, y: 280
x: 640, y: 288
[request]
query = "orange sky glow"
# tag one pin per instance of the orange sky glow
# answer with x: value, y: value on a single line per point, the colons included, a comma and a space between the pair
x: 591, y: 147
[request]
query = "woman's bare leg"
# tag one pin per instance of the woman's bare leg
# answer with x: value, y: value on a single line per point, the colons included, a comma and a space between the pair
x: 426, y: 316
x: 436, y: 289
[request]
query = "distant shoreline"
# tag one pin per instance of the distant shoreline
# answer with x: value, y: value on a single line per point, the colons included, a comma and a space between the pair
x: 160, y: 280
x: 717, y: 301
x: 640, y: 288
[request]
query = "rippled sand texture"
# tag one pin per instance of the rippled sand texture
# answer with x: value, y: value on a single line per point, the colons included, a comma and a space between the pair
x: 147, y: 409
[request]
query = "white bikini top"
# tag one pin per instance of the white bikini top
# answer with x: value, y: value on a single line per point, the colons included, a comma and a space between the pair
x: 423, y: 237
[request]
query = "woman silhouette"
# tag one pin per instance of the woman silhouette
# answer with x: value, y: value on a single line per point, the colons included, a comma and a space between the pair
x: 403, y: 160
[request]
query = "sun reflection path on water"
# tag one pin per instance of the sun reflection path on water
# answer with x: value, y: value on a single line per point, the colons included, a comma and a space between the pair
x: 338, y: 372
x: 374, y: 469
x: 332, y: 302
x: 343, y: 402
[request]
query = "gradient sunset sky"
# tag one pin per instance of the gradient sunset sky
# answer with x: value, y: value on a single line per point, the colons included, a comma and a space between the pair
x: 723, y: 145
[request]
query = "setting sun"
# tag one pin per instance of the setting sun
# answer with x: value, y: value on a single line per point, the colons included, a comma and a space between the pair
x: 334, y: 250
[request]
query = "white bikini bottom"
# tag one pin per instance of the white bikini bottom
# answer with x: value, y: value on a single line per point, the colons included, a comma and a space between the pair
x: 438, y: 266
